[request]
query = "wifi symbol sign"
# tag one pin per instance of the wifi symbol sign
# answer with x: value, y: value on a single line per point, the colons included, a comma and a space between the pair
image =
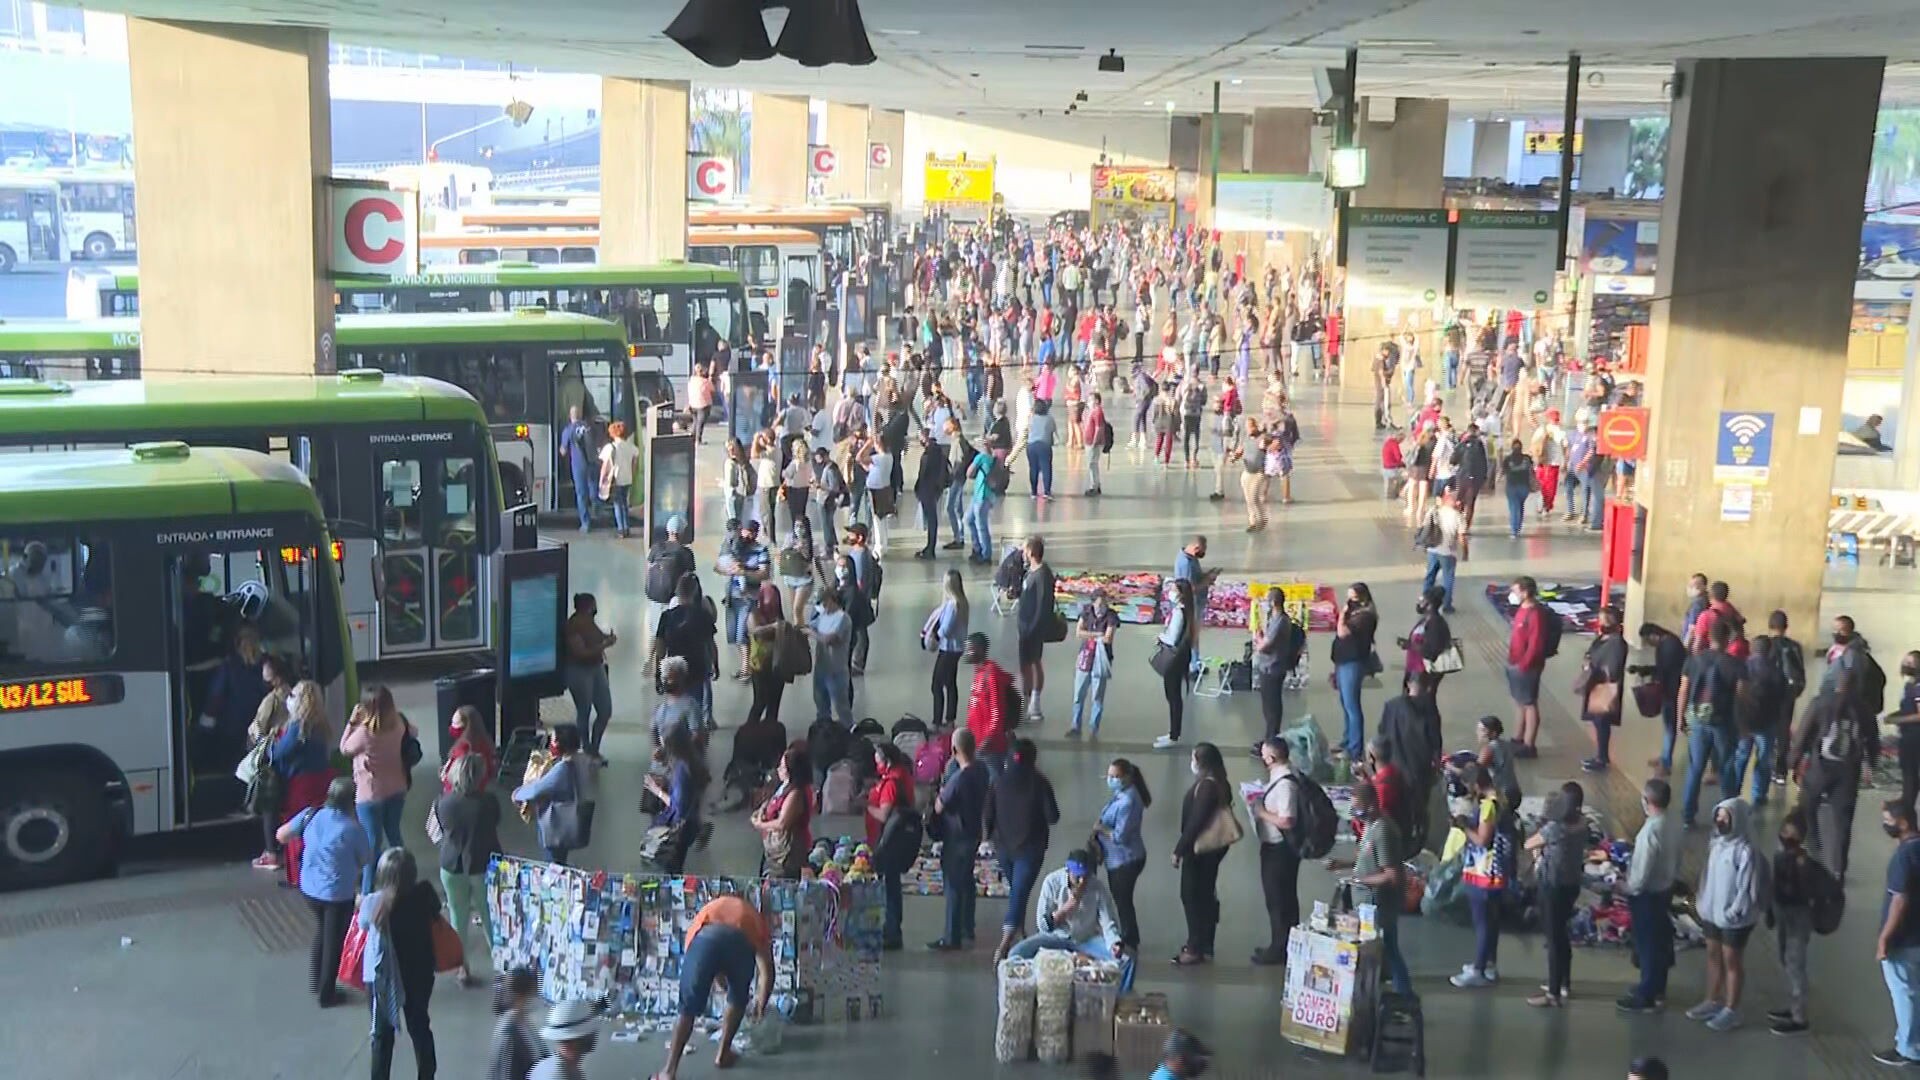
x: 1745, y: 426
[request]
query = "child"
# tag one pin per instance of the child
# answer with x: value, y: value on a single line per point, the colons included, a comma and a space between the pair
x: 1791, y: 918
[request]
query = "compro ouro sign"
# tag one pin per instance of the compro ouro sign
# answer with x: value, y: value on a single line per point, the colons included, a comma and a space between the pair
x: 709, y: 179
x: 373, y: 229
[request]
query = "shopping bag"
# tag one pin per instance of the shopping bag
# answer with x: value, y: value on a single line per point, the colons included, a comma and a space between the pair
x: 449, y: 952
x: 252, y: 762
x: 435, y: 833
x: 353, y: 955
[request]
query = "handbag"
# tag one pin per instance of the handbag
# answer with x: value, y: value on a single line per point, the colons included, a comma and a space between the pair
x: 1603, y: 699
x: 252, y: 761
x: 1165, y: 660
x: 1450, y: 660
x: 1221, y: 833
x: 449, y: 952
x: 264, y: 794
x: 435, y: 833
x: 571, y: 825
x: 1056, y: 629
x: 353, y: 955
x: 1650, y: 698
x: 793, y: 657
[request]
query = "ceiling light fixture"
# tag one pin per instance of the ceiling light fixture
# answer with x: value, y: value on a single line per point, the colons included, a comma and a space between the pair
x: 1113, y: 63
x: 1237, y: 82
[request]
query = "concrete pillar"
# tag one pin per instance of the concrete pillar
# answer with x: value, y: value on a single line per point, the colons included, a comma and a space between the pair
x: 643, y: 171
x: 1493, y: 149
x: 236, y: 144
x: 889, y: 128
x: 1766, y: 167
x: 1604, y: 147
x: 778, y: 175
x: 847, y: 135
x: 1282, y: 141
x: 1457, y: 157
x: 1405, y: 158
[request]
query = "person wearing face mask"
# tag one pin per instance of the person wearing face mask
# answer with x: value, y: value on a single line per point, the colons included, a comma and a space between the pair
x: 1378, y: 877
x: 1122, y: 846
x: 1734, y: 893
x: 1907, y: 721
x: 1427, y: 640
x: 1796, y: 878
x: 1649, y: 893
x: 1276, y: 652
x: 1897, y: 946
x: 958, y: 808
x: 1210, y: 793
x: 1093, y: 667
x: 1669, y: 663
x: 1353, y: 660
x: 1526, y: 659
x: 1837, y: 735
x: 1517, y: 471
x: 1696, y: 606
x: 1279, y: 860
x: 1486, y: 871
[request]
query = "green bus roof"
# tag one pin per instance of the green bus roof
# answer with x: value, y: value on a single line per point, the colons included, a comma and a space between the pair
x: 474, y: 328
x: 69, y: 335
x: 162, y: 481
x: 676, y: 272
x: 92, y: 410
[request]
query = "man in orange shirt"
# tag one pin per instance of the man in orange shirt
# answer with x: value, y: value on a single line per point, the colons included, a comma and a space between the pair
x: 730, y: 941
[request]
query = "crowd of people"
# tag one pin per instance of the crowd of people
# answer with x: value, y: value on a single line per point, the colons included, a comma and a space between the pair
x: 1011, y: 349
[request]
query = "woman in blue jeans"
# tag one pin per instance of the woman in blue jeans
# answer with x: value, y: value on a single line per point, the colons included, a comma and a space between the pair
x: 376, y: 741
x: 1020, y: 811
x: 1489, y: 864
x: 1041, y: 430
x: 1353, y: 658
x: 1516, y: 470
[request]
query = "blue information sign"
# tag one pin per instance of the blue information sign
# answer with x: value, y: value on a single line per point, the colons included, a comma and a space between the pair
x: 1743, y: 452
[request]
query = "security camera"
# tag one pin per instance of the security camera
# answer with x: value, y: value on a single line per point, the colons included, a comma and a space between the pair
x: 1081, y: 96
x: 1113, y: 62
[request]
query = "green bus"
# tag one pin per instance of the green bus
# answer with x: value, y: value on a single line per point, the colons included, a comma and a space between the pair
x: 674, y: 313
x: 127, y: 578
x: 528, y: 368
x: 404, y: 468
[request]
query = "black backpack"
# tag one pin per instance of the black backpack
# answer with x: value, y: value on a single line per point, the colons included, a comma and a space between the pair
x: 1828, y: 899
x: 1552, y: 626
x: 663, y: 575
x: 1314, y: 818
x: 1106, y: 436
x: 899, y: 843
x: 908, y: 722
x: 998, y: 477
x: 1870, y: 684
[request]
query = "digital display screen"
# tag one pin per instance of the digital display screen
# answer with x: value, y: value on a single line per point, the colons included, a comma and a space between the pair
x: 35, y: 695
x: 748, y: 410
x: 533, y: 636
x: 857, y: 328
x: 670, y: 485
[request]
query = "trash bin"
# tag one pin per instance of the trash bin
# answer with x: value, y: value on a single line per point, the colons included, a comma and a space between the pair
x: 478, y: 688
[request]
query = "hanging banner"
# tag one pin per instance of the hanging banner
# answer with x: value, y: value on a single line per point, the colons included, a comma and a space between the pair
x: 1130, y: 194
x: 1272, y: 202
x: 1505, y: 259
x: 959, y: 182
x: 1396, y: 258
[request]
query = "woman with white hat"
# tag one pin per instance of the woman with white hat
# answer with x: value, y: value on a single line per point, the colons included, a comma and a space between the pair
x: 571, y: 1031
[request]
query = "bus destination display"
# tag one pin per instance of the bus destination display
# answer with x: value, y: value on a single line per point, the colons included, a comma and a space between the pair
x: 35, y: 695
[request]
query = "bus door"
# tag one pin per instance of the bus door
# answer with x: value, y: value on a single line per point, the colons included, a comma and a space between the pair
x: 759, y: 267
x: 714, y: 318
x: 587, y: 379
x: 803, y: 284
x: 431, y: 586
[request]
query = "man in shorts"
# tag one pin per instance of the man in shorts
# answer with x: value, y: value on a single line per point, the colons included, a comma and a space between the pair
x: 729, y: 941
x: 1526, y: 657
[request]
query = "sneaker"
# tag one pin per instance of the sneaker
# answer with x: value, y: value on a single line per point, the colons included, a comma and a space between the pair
x: 1630, y: 1004
x: 1471, y: 980
x: 1165, y: 742
x: 1724, y: 1020
x: 1780, y: 781
x: 1779, y: 1016
x: 1268, y: 957
x: 1073, y: 732
x: 1788, y: 1027
x: 1706, y: 1010
x: 266, y: 862
x: 1593, y: 765
x: 1892, y: 1056
x: 953, y: 545
x: 1492, y: 973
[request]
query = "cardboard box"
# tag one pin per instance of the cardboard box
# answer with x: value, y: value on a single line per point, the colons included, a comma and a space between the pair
x: 1141, y: 1025
x: 1093, y: 1008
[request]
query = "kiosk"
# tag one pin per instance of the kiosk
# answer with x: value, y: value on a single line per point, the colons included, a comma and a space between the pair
x: 667, y: 461
x: 749, y: 404
x: 533, y: 614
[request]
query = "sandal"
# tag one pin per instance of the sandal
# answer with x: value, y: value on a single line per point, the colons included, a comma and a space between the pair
x: 1188, y: 958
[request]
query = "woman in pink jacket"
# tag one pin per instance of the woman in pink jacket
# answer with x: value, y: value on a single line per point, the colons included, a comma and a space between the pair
x: 375, y: 739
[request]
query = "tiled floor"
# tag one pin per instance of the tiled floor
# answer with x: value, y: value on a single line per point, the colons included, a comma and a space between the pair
x: 204, y: 988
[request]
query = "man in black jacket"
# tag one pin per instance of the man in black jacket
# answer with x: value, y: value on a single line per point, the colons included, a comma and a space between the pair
x: 1474, y: 467
x: 1836, y: 735
x: 1791, y: 661
x: 1034, y: 616
x: 928, y: 486
x: 1409, y: 739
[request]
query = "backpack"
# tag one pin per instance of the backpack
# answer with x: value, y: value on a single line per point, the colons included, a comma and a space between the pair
x: 909, y: 723
x: 1552, y: 626
x: 826, y: 741
x: 661, y: 578
x: 792, y: 657
x: 930, y: 761
x: 1870, y: 684
x: 1792, y: 664
x: 910, y: 734
x: 1314, y: 819
x: 841, y: 792
x: 899, y: 842
x: 1106, y: 437
x: 1828, y: 899
x: 1010, y: 699
x: 997, y: 477
x: 1011, y: 574
x: 869, y: 728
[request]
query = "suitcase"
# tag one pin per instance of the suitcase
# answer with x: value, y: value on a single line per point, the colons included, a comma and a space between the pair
x: 1399, y: 1035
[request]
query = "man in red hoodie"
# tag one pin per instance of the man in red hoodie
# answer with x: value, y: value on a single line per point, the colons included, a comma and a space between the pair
x: 1719, y: 608
x: 992, y: 706
x: 1526, y: 656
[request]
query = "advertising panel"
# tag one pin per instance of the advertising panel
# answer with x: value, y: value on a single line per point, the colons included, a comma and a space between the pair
x: 959, y: 182
x: 1132, y: 193
x: 1619, y: 247
x: 1271, y: 202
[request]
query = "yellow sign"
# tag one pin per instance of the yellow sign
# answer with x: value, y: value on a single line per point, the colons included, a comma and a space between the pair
x: 1296, y: 597
x: 958, y: 180
x: 1132, y: 193
x: 1549, y: 142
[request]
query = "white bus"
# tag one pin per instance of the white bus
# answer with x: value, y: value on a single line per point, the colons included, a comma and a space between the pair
x: 30, y: 229
x: 96, y: 213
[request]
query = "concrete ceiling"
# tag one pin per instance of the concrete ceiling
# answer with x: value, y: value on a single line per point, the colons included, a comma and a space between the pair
x: 1488, y: 57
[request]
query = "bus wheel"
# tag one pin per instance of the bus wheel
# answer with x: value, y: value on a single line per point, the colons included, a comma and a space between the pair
x: 98, y: 246
x: 53, y: 828
x: 7, y: 258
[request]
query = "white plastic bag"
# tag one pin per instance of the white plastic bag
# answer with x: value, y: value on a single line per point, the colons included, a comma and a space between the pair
x: 1013, y: 1032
